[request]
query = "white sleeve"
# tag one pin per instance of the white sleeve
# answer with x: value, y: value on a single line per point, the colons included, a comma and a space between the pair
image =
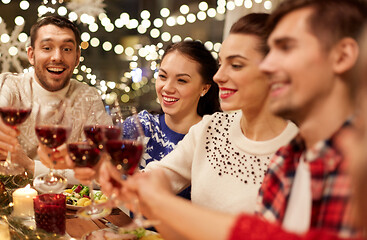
x: 178, y: 163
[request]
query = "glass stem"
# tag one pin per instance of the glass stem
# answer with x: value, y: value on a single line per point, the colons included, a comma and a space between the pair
x: 8, y: 159
x: 91, y: 194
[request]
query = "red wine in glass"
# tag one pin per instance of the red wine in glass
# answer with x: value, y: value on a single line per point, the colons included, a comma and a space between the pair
x: 52, y: 136
x: 84, y: 154
x: 13, y: 116
x: 125, y: 154
x: 99, y: 134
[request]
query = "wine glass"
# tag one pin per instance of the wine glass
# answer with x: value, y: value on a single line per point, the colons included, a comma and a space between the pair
x: 98, y: 135
x: 126, y: 154
x: 15, y: 108
x: 53, y: 127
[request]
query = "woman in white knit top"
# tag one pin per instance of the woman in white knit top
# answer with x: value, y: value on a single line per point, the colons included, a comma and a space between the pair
x: 225, y: 156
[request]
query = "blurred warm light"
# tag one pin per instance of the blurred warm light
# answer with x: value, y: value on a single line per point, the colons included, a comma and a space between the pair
x: 85, y: 36
x: 248, y: 4
x: 211, y: 12
x: 94, y: 42
x: 208, y: 45
x: 62, y: 11
x: 164, y: 12
x: 93, y: 27
x: 4, y: 38
x: 119, y: 23
x: 73, y: 16
x: 238, y: 3
x: 119, y: 49
x: 142, y: 29
x: 221, y: 9
x: 129, y: 51
x: 201, y: 16
x: 110, y: 27
x: 145, y: 14
x: 191, y: 18
x: 184, y: 9
x: 268, y: 5
x: 181, y: 20
x: 125, y: 98
x: 24, y: 5
x: 154, y: 33
x: 171, y: 21
x: 217, y: 47
x: 203, y: 6
x: 13, y: 51
x: 176, y: 38
x: 23, y: 37
x: 231, y: 5
x: 146, y: 23
x: 158, y: 22
x: 166, y: 36
x: 107, y: 46
x: 84, y: 45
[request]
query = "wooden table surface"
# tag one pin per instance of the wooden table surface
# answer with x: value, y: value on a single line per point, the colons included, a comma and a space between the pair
x: 77, y: 227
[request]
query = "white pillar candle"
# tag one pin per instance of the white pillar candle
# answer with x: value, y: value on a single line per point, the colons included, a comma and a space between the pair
x: 4, y: 231
x: 23, y: 202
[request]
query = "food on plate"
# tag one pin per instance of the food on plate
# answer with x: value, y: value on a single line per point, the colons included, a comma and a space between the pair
x: 108, y: 235
x: 152, y: 237
x: 79, y: 195
x: 137, y: 234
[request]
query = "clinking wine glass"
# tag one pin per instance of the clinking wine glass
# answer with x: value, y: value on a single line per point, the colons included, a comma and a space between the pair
x: 87, y: 154
x: 98, y: 135
x: 15, y: 108
x: 53, y: 127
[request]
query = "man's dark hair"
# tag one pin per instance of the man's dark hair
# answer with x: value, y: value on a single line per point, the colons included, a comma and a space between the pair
x: 58, y: 21
x: 330, y: 21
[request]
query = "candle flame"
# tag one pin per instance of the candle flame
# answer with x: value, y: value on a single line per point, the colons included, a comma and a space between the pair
x: 28, y: 186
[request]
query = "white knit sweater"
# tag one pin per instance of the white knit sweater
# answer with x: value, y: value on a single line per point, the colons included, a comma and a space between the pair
x: 81, y: 110
x: 224, y: 167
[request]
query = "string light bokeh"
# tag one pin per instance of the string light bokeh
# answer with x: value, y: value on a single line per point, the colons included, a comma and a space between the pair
x: 137, y: 54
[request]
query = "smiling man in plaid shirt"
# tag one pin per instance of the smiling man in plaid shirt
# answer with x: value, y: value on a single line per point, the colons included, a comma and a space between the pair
x: 313, y: 50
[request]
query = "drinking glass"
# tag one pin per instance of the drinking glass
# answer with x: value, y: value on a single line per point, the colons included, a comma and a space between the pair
x: 87, y: 154
x: 126, y: 154
x: 53, y: 127
x: 50, y: 212
x: 15, y: 108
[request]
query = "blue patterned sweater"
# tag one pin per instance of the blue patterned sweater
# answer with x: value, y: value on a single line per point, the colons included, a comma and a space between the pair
x: 159, y: 140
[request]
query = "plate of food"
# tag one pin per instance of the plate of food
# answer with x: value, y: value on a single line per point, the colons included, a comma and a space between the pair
x: 109, y: 234
x: 79, y: 196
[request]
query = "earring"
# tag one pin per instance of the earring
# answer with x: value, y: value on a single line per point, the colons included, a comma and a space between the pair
x: 202, y: 95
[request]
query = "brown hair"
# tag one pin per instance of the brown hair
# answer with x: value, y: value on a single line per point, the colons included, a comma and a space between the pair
x: 330, y: 21
x: 359, y: 161
x: 254, y: 24
x: 58, y: 21
x: 208, y: 66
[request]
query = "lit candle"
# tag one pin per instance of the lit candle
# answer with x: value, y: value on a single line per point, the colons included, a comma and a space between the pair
x: 4, y: 231
x: 23, y: 202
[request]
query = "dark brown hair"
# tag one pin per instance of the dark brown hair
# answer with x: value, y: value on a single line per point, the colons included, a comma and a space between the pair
x: 330, y: 21
x: 58, y: 21
x: 254, y: 24
x: 208, y: 66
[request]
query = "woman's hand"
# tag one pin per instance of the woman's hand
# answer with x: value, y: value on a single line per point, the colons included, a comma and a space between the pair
x: 85, y: 174
x: 58, y: 159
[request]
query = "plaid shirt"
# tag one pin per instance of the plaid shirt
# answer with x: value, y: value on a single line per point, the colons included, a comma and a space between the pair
x: 330, y: 185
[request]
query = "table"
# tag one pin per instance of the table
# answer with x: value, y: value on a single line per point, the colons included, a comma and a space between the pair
x: 77, y: 227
